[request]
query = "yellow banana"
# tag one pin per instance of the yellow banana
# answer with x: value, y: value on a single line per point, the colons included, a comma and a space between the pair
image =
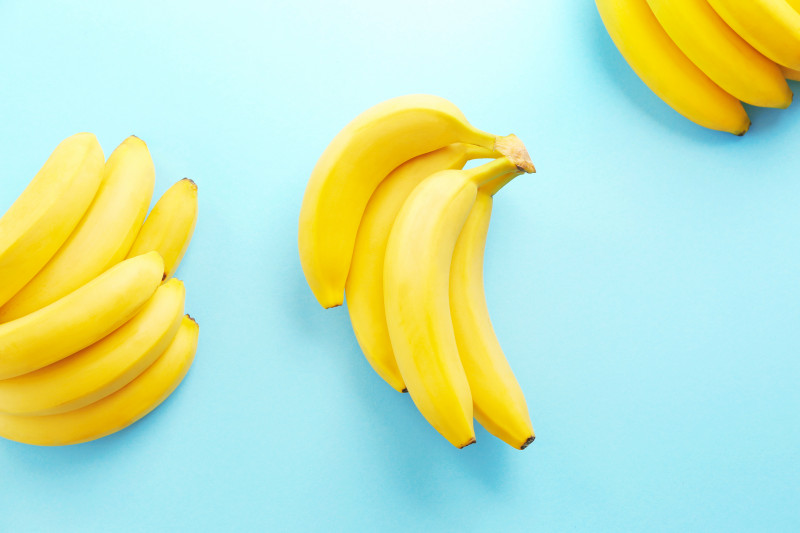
x: 720, y: 53
x: 116, y: 411
x: 80, y: 318
x: 102, y: 368
x: 791, y: 74
x: 102, y: 238
x: 44, y: 215
x: 417, y: 302
x: 353, y: 165
x: 771, y: 26
x: 170, y: 225
x: 497, y: 399
x: 666, y: 70
x: 364, y: 287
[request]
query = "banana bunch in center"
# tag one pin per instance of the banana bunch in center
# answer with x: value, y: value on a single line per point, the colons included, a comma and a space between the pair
x: 93, y: 334
x: 391, y: 219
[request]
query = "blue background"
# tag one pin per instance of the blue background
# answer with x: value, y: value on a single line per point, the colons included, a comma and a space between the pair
x: 645, y: 284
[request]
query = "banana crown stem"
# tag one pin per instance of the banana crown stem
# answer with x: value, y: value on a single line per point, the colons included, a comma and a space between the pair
x: 493, y: 187
x: 512, y: 147
x: 473, y: 151
x: 488, y: 172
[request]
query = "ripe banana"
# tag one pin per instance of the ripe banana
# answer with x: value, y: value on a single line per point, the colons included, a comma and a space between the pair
x: 102, y: 368
x: 720, y: 53
x: 417, y: 302
x: 115, y: 412
x: 771, y: 26
x: 79, y: 319
x: 364, y: 287
x: 102, y: 238
x: 791, y: 74
x: 44, y: 215
x: 666, y: 70
x: 353, y: 165
x: 170, y: 225
x: 497, y: 399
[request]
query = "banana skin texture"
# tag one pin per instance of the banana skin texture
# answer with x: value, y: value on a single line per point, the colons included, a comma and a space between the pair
x: 416, y: 293
x: 116, y: 411
x: 102, y: 368
x: 664, y: 68
x: 498, y: 402
x: 62, y: 328
x: 103, y: 236
x: 364, y: 287
x: 170, y: 225
x: 48, y: 210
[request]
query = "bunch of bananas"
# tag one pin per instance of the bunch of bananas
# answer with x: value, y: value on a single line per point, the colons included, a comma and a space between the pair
x: 92, y: 337
x: 391, y: 219
x: 705, y: 57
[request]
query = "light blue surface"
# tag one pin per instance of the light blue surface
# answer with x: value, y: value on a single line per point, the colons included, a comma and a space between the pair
x: 645, y: 284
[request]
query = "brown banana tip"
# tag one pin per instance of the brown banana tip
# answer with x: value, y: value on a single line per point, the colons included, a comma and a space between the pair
x: 528, y: 442
x: 163, y: 276
x: 404, y: 390
x: 471, y: 441
x: 745, y: 130
x: 190, y: 317
x: 191, y: 181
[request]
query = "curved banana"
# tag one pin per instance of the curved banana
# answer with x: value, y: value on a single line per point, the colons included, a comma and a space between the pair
x: 666, y: 70
x: 791, y: 74
x: 364, y: 287
x: 771, y: 26
x: 416, y: 294
x: 497, y: 399
x: 102, y: 368
x: 80, y: 318
x: 721, y: 54
x: 116, y: 411
x: 104, y: 235
x: 353, y: 165
x: 170, y: 225
x: 47, y: 211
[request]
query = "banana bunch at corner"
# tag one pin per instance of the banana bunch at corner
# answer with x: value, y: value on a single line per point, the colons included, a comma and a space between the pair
x: 391, y: 219
x: 705, y: 57
x: 93, y: 334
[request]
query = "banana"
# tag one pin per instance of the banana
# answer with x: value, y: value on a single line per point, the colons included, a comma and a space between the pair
x: 666, y: 70
x: 102, y: 238
x: 354, y: 164
x: 771, y: 26
x: 416, y: 294
x: 102, y: 368
x: 116, y: 411
x: 497, y: 399
x: 170, y: 225
x: 364, y: 287
x: 721, y: 54
x: 47, y: 211
x: 79, y: 319
x: 791, y: 74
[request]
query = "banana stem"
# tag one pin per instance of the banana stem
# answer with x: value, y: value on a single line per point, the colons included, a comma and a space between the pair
x: 513, y: 148
x: 494, y: 169
x: 473, y: 151
x: 492, y: 187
